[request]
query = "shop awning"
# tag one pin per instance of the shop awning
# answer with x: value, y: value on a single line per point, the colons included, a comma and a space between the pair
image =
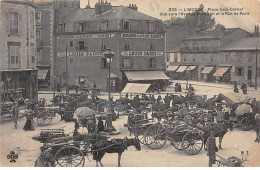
x: 221, y: 71
x: 172, y: 68
x: 145, y: 75
x: 42, y: 74
x: 190, y: 68
x: 181, y: 69
x: 207, y: 70
x: 136, y: 88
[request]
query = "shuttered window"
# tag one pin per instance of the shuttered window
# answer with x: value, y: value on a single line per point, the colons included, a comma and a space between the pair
x: 14, y: 56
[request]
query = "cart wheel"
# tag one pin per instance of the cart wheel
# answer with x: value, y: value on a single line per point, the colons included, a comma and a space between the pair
x: 44, y: 119
x: 176, y: 144
x: 192, y: 142
x: 141, y: 139
x: 155, y: 137
x: 69, y: 156
x: 102, y: 107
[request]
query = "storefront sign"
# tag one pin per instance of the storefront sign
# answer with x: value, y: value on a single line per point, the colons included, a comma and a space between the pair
x: 144, y: 36
x: 86, y: 36
x: 79, y: 54
x: 142, y: 53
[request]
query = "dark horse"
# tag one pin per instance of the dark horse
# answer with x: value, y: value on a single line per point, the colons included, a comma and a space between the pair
x: 220, y: 130
x: 113, y: 146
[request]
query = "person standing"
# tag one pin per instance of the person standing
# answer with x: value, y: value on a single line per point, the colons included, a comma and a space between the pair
x: 257, y: 127
x: 220, y: 115
x: 15, y: 111
x: 244, y: 88
x: 211, y: 148
x: 236, y: 88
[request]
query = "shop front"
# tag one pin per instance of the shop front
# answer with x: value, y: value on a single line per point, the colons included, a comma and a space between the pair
x: 157, y: 79
x: 207, y: 74
x: 171, y: 72
x: 43, y: 79
x: 192, y: 72
x: 23, y: 82
x: 181, y: 73
x: 222, y: 74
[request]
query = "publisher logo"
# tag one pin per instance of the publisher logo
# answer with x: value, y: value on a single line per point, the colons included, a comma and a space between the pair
x: 12, y: 156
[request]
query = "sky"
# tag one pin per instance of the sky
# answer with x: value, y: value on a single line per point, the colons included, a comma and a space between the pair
x: 156, y: 7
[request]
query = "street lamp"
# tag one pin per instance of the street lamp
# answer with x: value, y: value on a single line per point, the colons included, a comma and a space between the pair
x: 109, y: 119
x: 54, y: 85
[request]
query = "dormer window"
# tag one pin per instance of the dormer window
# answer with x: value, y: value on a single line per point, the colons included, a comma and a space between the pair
x: 81, y: 26
x: 61, y: 27
x: 104, y: 25
x: 151, y: 26
x: 126, y: 25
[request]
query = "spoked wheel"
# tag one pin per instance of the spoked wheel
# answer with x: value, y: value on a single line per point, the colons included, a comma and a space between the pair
x: 44, y: 118
x: 141, y: 139
x: 102, y: 107
x: 155, y: 137
x: 177, y: 142
x: 69, y: 156
x: 192, y: 142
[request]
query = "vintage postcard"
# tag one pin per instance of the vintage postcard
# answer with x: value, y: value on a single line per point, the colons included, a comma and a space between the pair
x: 130, y: 83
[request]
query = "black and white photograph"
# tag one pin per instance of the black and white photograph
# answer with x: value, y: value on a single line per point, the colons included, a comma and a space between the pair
x: 129, y: 83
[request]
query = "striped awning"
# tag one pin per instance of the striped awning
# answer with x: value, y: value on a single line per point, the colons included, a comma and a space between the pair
x: 42, y: 74
x: 207, y: 70
x: 221, y: 71
x: 172, y: 68
x: 190, y: 68
x: 136, y: 88
x: 145, y: 75
x: 181, y: 69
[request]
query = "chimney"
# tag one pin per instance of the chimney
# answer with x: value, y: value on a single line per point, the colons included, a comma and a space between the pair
x: 102, y: 7
x: 256, y: 31
x: 88, y: 6
x: 133, y: 7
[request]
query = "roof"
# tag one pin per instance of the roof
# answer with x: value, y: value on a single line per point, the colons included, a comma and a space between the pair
x: 117, y: 12
x: 243, y: 44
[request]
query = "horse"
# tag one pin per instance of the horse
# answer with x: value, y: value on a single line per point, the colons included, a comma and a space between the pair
x: 113, y: 146
x: 220, y: 130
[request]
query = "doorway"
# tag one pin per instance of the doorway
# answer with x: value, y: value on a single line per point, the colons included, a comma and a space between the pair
x: 249, y: 73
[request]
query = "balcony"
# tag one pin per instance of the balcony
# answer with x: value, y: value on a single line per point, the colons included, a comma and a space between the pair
x: 199, y: 49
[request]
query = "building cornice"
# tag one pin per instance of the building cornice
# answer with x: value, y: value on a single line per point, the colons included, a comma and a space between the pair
x: 20, y: 3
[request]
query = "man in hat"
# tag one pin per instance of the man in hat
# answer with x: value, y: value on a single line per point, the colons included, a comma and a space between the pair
x: 211, y: 148
x: 48, y: 158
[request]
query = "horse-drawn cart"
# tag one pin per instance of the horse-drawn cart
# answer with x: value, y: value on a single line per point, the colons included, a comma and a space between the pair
x: 182, y: 137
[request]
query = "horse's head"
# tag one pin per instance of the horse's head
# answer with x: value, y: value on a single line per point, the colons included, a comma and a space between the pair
x: 134, y: 142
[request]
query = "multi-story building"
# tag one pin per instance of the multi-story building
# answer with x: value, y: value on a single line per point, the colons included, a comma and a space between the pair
x: 242, y: 58
x: 44, y: 40
x: 200, y: 54
x: 18, y: 71
x: 83, y: 35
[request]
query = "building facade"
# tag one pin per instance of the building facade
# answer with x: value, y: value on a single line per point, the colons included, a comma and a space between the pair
x: 200, y: 55
x: 18, y: 71
x: 83, y: 35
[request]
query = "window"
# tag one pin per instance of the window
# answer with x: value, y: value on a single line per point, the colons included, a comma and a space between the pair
x: 32, y: 24
x: 33, y: 59
x: 38, y: 18
x: 71, y: 61
x: 81, y: 45
x: 152, y: 62
x: 193, y: 58
x: 38, y: 34
x: 14, y: 55
x: 250, y: 57
x: 39, y: 55
x: 227, y: 58
x: 239, y: 56
x: 184, y: 58
x: 127, y: 46
x: 152, y: 45
x: 127, y: 63
x: 61, y: 27
x: 104, y: 25
x: 104, y: 63
x: 211, y: 58
x: 151, y: 26
x: 233, y: 56
x: 168, y: 57
x: 13, y: 23
x: 103, y: 45
x: 126, y: 25
x: 239, y: 71
x: 176, y: 57
x: 81, y: 27
x: 71, y: 44
x: 32, y: 49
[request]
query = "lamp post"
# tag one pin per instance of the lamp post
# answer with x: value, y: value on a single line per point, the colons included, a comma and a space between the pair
x: 109, y: 55
x: 54, y: 85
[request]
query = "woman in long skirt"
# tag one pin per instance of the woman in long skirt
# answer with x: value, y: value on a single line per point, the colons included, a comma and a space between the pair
x: 29, y: 125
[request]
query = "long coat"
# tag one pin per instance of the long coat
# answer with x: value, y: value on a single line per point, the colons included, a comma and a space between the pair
x: 211, y: 148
